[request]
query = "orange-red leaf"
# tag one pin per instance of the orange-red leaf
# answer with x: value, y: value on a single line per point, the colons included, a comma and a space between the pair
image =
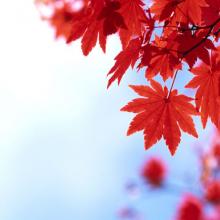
x: 86, y: 24
x: 206, y: 81
x: 211, y: 14
x: 134, y: 17
x: 112, y: 19
x: 183, y: 11
x: 124, y: 59
x: 187, y: 41
x: 162, y: 59
x: 61, y: 20
x: 161, y: 116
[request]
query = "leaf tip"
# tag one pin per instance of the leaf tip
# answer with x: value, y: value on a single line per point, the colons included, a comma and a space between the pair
x: 129, y: 132
x: 172, y: 153
x: 123, y: 109
x: 172, y: 150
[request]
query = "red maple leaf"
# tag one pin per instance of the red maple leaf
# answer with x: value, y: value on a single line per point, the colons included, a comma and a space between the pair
x: 88, y: 26
x: 90, y: 37
x: 127, y: 57
x: 160, y: 115
x: 163, y: 9
x: 193, y: 46
x: 162, y: 58
x: 61, y: 20
x: 206, y: 81
x: 134, y: 17
x: 162, y: 38
x: 182, y: 11
x: 211, y: 13
x: 112, y: 18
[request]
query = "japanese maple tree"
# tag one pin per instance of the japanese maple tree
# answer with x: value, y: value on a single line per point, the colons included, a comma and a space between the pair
x: 160, y: 38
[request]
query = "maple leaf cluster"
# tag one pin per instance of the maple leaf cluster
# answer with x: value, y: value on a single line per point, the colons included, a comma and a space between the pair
x: 159, y: 38
x: 200, y: 201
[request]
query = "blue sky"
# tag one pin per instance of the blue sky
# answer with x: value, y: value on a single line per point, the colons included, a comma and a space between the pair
x: 63, y: 150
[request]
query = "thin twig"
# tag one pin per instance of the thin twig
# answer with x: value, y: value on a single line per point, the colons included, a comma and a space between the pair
x: 203, y: 40
x: 184, y: 54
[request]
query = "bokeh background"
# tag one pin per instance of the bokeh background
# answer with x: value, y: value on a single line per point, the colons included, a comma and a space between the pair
x: 63, y: 150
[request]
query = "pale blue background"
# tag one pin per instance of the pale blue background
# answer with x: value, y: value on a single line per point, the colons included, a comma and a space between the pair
x: 63, y: 150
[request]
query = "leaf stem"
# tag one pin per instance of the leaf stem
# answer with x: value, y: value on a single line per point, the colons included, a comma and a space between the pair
x: 174, y: 79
